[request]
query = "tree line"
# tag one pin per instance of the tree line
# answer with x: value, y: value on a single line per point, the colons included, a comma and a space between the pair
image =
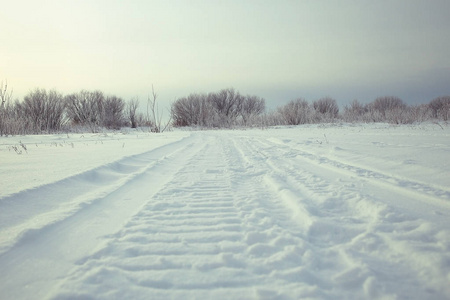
x: 387, y: 109
x: 42, y: 111
x: 228, y: 108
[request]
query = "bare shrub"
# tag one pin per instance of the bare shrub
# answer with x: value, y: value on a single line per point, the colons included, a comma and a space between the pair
x: 12, y: 120
x: 141, y: 120
x: 113, y: 117
x: 387, y: 109
x: 271, y: 118
x: 55, y: 113
x: 440, y: 108
x: 43, y: 111
x: 193, y: 110
x: 132, y: 107
x: 6, y: 110
x: 5, y: 95
x: 296, y: 112
x: 355, y: 112
x: 418, y: 113
x: 182, y: 112
x: 222, y: 109
x: 205, y: 110
x: 386, y: 104
x: 399, y: 116
x: 86, y: 108
x: 252, y: 106
x: 326, y: 109
x: 227, y: 105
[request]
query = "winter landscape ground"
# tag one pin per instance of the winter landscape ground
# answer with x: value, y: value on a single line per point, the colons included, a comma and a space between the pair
x: 308, y: 212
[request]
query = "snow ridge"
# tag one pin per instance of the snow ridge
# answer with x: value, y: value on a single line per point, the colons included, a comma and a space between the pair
x: 56, y: 201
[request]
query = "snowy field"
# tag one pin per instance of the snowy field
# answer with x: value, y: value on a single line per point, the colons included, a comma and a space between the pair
x: 309, y: 212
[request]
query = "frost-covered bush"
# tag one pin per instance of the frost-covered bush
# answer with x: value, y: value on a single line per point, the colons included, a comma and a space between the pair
x: 251, y: 110
x: 387, y: 109
x: 113, y: 113
x: 42, y: 111
x: 193, y: 110
x: 355, y: 112
x: 94, y: 110
x: 440, y: 108
x: 387, y: 106
x: 6, y: 110
x: 227, y: 105
x: 131, y: 112
x: 326, y: 109
x: 85, y: 108
x: 11, y: 121
x: 296, y: 112
x: 220, y: 109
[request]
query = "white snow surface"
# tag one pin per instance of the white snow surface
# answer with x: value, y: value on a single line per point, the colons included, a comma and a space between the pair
x: 310, y: 212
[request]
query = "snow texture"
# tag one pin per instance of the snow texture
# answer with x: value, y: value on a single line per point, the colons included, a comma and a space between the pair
x: 309, y: 212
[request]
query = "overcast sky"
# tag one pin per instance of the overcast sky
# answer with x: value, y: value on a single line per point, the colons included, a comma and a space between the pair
x: 279, y: 50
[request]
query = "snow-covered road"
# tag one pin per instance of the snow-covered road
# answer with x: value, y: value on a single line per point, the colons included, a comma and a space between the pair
x: 320, y: 213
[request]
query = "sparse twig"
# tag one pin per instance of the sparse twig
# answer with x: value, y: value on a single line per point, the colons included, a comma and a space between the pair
x: 157, y: 116
x: 5, y: 96
x: 439, y: 125
x: 16, y: 149
x: 23, y: 146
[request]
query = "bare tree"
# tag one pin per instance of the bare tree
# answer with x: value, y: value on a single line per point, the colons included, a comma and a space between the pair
x: 132, y: 106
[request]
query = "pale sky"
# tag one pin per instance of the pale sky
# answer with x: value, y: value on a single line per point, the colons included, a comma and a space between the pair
x: 278, y: 50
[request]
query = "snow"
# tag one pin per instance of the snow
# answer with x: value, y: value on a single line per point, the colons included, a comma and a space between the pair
x: 335, y: 211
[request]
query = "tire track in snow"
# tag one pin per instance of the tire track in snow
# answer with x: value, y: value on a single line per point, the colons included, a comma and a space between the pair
x: 313, y: 205
x: 54, y: 202
x: 241, y: 218
x: 211, y: 232
x: 348, y: 217
x: 418, y: 190
x: 40, y: 257
x: 247, y: 220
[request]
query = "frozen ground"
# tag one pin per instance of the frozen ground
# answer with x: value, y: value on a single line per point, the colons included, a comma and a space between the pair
x: 319, y: 212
